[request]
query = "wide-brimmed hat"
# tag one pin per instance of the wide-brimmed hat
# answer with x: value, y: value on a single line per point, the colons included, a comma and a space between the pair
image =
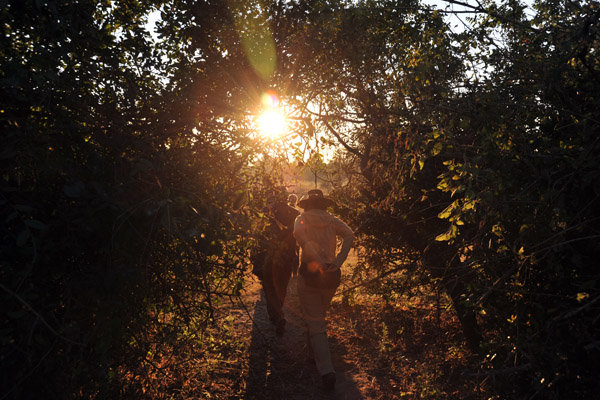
x: 315, y: 199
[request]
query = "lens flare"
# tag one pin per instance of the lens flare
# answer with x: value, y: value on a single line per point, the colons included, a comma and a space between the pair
x: 272, y: 121
x: 313, y: 266
x: 269, y: 99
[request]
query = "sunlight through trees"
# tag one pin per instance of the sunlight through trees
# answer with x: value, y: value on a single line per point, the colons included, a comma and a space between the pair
x: 136, y: 167
x: 271, y: 121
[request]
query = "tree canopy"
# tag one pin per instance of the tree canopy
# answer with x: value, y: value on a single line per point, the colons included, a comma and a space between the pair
x: 133, y: 177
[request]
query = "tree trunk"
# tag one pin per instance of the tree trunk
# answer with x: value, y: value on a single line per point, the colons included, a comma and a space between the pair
x: 439, y: 259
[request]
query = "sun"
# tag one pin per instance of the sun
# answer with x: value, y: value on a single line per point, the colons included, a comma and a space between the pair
x: 271, y: 121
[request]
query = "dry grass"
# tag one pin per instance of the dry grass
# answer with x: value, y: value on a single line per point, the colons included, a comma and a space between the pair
x: 405, y: 346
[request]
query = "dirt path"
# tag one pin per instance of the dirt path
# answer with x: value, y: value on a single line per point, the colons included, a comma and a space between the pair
x: 278, y: 367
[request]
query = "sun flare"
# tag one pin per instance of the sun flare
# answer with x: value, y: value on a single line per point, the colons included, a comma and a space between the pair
x: 271, y: 123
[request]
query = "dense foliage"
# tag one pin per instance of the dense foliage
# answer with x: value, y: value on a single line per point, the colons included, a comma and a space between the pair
x: 123, y: 175
x: 478, y: 153
x: 131, y: 177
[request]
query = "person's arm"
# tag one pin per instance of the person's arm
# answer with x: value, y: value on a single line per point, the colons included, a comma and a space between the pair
x: 347, y: 235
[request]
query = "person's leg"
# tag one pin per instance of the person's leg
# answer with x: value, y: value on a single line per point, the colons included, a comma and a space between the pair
x: 281, y: 278
x: 314, y: 302
x: 273, y: 301
x: 326, y: 297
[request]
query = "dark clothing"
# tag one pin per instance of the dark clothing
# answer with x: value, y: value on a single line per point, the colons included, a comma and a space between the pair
x: 275, y: 282
x: 281, y: 259
x: 321, y: 279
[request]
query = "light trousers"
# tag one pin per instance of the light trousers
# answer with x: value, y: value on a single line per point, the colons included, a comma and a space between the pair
x: 315, y: 303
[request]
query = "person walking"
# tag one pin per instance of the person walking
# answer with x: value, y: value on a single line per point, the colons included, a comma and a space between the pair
x: 280, y: 260
x: 316, y: 232
x: 291, y: 201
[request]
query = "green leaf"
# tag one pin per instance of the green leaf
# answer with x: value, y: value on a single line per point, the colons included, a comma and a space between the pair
x: 582, y: 296
x: 497, y: 230
x: 451, y: 233
x: 443, y: 184
x: 448, y: 210
x: 468, y: 205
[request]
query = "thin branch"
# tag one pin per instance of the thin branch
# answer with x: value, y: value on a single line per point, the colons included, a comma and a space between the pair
x: 499, y: 281
x: 577, y: 310
x: 562, y: 233
x: 400, y: 267
x: 340, y: 140
x: 29, y: 373
x: 503, y: 371
x: 502, y: 18
x: 34, y: 312
x: 322, y: 116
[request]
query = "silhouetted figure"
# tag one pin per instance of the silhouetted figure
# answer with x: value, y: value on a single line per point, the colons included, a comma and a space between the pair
x: 316, y: 231
x: 279, y: 259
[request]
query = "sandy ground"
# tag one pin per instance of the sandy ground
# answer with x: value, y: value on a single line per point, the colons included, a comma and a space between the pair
x: 278, y: 367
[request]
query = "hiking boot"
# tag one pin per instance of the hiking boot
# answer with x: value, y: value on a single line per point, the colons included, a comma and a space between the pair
x: 328, y: 381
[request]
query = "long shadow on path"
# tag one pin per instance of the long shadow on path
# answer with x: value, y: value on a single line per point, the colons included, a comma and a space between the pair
x: 278, y: 366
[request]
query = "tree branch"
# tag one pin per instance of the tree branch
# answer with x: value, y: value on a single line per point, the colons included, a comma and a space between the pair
x: 502, y: 18
x: 32, y: 310
x: 339, y: 138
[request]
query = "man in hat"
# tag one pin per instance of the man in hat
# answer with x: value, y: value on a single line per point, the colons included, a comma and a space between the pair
x: 316, y: 232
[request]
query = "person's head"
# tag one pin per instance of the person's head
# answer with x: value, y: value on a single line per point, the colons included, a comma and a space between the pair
x: 315, y: 199
x: 292, y: 200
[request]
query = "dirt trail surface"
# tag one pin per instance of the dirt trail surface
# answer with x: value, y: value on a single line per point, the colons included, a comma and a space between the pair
x: 278, y: 367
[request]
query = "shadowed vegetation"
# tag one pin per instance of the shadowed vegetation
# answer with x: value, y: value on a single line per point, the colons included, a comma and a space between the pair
x: 132, y: 180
